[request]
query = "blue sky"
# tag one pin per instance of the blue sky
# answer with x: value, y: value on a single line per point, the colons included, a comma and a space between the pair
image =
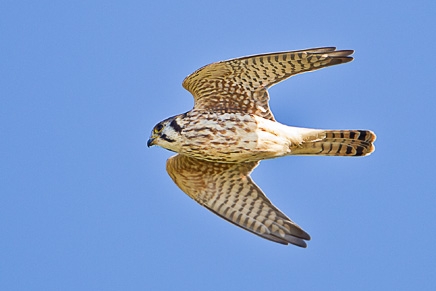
x: 85, y: 205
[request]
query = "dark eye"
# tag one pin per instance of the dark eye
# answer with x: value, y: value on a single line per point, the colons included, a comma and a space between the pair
x: 158, y: 128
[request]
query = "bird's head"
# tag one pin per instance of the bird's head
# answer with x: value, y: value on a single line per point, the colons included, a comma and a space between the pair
x: 167, y: 134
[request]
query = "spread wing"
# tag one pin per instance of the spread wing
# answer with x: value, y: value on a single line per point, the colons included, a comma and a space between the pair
x: 228, y: 191
x: 241, y: 84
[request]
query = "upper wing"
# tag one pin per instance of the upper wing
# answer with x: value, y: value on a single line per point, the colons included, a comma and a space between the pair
x: 228, y: 191
x: 241, y: 84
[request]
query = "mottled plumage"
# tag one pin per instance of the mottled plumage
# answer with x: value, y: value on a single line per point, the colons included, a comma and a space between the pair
x: 231, y: 128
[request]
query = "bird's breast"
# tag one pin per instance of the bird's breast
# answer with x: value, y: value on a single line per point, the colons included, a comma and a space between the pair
x: 232, y: 137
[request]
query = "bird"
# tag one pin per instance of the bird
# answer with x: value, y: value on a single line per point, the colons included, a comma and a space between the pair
x: 231, y: 128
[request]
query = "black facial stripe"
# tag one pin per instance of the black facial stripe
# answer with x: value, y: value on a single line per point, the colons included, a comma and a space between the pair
x: 165, y: 137
x: 175, y: 126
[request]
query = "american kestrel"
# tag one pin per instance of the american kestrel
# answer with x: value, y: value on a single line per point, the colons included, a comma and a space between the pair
x: 231, y: 128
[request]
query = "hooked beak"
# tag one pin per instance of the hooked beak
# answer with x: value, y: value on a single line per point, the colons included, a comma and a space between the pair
x: 150, y: 142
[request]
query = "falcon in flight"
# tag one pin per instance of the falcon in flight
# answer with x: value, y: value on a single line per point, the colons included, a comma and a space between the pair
x: 231, y: 128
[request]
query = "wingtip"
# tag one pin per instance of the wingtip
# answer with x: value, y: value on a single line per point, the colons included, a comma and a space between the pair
x: 297, y: 242
x: 298, y: 239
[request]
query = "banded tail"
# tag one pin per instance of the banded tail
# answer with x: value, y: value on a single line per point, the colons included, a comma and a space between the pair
x: 337, y: 143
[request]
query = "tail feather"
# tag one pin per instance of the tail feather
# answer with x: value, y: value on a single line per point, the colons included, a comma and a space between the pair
x: 337, y: 143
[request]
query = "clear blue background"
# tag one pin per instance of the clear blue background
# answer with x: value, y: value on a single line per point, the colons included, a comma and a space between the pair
x: 85, y: 205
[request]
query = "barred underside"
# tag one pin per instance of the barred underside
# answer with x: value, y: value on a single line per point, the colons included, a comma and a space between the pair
x: 240, y: 85
x: 228, y: 191
x: 339, y: 143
